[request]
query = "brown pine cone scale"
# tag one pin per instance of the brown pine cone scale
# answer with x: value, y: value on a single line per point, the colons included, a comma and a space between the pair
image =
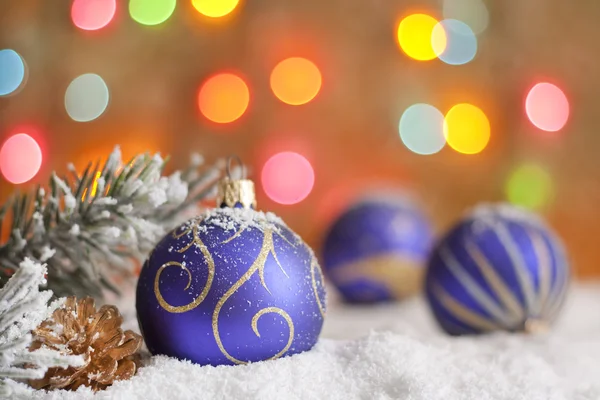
x: 77, y: 328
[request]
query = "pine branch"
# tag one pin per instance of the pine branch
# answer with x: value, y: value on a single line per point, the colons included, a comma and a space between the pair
x: 95, y: 227
x: 22, y: 308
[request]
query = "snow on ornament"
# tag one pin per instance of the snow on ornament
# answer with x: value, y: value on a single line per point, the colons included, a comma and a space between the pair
x: 231, y: 286
x: 376, y: 250
x: 500, y: 268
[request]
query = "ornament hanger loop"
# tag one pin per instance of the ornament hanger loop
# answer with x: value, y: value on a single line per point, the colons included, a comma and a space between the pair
x: 230, y: 169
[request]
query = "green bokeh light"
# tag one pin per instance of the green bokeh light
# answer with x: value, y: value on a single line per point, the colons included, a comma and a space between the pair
x: 151, y: 12
x: 530, y: 186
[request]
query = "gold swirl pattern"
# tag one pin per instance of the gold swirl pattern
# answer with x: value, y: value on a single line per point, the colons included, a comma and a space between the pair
x: 287, y: 319
x: 314, y: 265
x: 267, y: 248
x: 257, y: 266
x: 211, y: 274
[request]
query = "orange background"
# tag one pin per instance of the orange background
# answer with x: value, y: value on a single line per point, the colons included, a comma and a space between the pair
x: 349, y: 132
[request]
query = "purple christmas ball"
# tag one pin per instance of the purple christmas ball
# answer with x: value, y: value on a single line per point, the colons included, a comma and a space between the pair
x: 376, y: 250
x: 230, y: 287
x: 499, y: 268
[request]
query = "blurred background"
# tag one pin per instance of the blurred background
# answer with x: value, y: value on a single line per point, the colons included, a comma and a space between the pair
x: 457, y: 101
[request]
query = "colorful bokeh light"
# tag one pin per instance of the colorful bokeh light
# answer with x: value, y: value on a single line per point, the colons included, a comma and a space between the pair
x: 223, y: 98
x: 215, y: 8
x: 461, y: 42
x: 20, y: 158
x: 467, y: 129
x: 422, y: 129
x: 547, y: 107
x: 91, y: 15
x: 151, y: 12
x: 530, y: 186
x: 472, y: 12
x: 295, y: 81
x: 12, y: 71
x: 417, y: 37
x: 86, y: 98
x: 287, y: 178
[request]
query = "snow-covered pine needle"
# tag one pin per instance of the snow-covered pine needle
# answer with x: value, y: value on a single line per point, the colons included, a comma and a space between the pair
x: 22, y: 308
x: 92, y: 227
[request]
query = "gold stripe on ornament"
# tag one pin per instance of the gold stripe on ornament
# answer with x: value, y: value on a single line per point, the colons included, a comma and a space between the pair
x: 494, y: 280
x: 518, y: 264
x: 402, y: 276
x: 473, y: 288
x: 460, y: 312
x: 544, y: 271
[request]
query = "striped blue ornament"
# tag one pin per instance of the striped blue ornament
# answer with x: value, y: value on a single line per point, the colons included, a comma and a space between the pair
x: 501, y: 268
x: 377, y: 249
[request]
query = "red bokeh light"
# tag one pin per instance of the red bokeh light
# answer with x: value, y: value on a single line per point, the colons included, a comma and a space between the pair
x: 287, y: 178
x: 91, y: 15
x: 20, y: 158
x: 547, y: 107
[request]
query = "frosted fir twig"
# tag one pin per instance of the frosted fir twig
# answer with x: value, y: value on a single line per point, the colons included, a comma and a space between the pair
x: 22, y: 308
x: 95, y: 227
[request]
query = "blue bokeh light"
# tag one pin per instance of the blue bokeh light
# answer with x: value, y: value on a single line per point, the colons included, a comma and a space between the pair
x: 12, y: 71
x: 422, y: 129
x: 461, y: 42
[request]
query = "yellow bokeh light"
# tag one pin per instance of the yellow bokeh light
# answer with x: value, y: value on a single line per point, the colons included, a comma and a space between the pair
x: 467, y: 129
x: 215, y: 8
x: 418, y: 39
x: 295, y: 81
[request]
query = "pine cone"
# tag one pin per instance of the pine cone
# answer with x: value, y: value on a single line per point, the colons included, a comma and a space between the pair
x: 77, y: 329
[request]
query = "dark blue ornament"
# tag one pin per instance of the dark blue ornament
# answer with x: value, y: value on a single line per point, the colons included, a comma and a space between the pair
x: 500, y: 268
x: 376, y: 250
x: 231, y: 287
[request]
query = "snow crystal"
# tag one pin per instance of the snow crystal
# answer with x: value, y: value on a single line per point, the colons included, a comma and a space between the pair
x: 157, y: 197
x: 196, y: 159
x: 75, y: 230
x: 47, y: 253
x: 125, y: 209
x: 392, y: 351
x: 177, y: 190
x: 70, y: 201
x: 111, y: 232
x: 106, y: 201
x: 157, y: 159
x: 232, y: 218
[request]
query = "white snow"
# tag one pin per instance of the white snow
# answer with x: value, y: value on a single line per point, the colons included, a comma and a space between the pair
x: 177, y: 190
x: 75, y: 230
x: 232, y: 218
x: 393, y: 351
x: 196, y: 159
x: 47, y: 253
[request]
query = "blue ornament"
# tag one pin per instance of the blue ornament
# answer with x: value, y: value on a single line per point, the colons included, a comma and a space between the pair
x: 376, y: 250
x: 230, y: 287
x: 500, y: 268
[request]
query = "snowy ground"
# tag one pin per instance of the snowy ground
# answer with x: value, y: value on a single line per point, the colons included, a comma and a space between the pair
x: 395, y: 352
